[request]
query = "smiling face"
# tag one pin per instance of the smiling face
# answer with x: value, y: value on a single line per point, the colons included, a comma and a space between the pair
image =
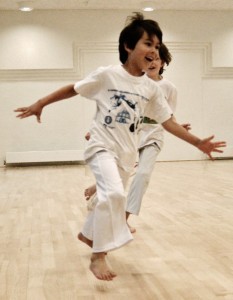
x: 154, y: 68
x: 141, y: 57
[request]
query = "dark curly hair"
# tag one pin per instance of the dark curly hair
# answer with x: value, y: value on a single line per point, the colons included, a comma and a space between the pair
x: 165, y: 56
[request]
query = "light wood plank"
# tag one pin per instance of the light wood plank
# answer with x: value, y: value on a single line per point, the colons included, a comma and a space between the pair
x: 183, y: 247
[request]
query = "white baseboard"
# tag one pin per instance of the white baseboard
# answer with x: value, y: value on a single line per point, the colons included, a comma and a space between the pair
x: 29, y: 157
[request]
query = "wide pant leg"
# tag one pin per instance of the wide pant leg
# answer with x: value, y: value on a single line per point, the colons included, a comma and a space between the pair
x: 106, y: 223
x: 147, y: 159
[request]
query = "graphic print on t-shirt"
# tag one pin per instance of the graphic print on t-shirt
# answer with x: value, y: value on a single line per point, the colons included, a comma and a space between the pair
x: 124, y: 109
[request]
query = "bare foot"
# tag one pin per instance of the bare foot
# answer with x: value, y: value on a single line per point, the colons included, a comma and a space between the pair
x: 132, y: 229
x: 100, y: 268
x: 90, y: 191
x: 85, y: 240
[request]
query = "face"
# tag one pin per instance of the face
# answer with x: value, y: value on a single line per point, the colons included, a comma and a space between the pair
x: 141, y: 57
x: 154, y: 68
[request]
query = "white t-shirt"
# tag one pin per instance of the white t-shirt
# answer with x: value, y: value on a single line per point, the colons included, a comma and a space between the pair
x: 120, y: 102
x: 150, y: 131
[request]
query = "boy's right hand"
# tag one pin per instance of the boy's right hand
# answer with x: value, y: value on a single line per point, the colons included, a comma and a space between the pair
x: 34, y: 109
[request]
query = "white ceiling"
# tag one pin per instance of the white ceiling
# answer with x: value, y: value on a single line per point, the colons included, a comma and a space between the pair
x: 122, y: 4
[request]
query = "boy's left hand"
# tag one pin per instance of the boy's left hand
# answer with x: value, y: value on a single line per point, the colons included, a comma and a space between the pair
x: 207, y: 146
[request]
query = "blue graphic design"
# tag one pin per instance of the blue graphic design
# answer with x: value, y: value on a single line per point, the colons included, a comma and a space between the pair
x: 108, y: 119
x: 119, y: 98
x: 123, y: 109
x: 123, y: 117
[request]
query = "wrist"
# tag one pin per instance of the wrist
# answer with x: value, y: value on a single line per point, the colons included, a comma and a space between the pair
x: 198, y: 142
x: 41, y: 103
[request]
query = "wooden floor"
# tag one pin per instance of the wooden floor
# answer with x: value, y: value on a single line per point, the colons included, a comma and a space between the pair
x: 183, y: 247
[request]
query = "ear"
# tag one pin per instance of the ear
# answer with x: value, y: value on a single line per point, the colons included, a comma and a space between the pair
x: 127, y: 49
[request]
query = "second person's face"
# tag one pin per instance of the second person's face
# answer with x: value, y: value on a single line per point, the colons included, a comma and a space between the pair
x: 154, y: 68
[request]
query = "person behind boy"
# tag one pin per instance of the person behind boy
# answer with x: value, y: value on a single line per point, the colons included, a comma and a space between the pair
x: 121, y: 93
x: 151, y: 135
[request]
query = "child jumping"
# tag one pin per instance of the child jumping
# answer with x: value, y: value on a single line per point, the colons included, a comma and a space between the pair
x: 151, y: 137
x: 121, y: 93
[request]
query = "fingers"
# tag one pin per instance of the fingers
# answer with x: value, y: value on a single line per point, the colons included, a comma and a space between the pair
x: 209, y: 138
x: 220, y: 144
x: 38, y: 118
x: 210, y: 156
x: 214, y: 144
x: 27, y: 112
x: 207, y: 146
x: 23, y: 112
x: 20, y: 109
x: 217, y: 150
x: 187, y: 126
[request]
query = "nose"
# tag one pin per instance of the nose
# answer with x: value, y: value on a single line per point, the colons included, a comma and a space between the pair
x: 155, y: 52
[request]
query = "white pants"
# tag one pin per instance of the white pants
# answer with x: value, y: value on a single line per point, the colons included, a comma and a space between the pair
x: 147, y: 159
x: 106, y: 223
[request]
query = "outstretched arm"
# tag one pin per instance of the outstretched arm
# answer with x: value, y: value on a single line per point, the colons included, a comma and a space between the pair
x: 204, y: 145
x: 36, y: 108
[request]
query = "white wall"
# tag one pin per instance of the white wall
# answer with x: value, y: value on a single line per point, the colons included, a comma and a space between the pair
x: 44, y: 50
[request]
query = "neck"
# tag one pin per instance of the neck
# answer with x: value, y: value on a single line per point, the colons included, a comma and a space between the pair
x: 132, y: 70
x: 157, y: 77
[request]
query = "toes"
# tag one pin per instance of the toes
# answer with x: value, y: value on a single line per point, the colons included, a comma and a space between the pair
x: 101, y: 271
x: 113, y: 274
x: 107, y: 276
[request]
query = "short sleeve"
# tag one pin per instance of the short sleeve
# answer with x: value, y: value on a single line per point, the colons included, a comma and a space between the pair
x: 90, y: 85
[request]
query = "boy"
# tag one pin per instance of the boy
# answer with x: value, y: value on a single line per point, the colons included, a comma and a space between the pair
x: 121, y: 94
x: 151, y: 137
